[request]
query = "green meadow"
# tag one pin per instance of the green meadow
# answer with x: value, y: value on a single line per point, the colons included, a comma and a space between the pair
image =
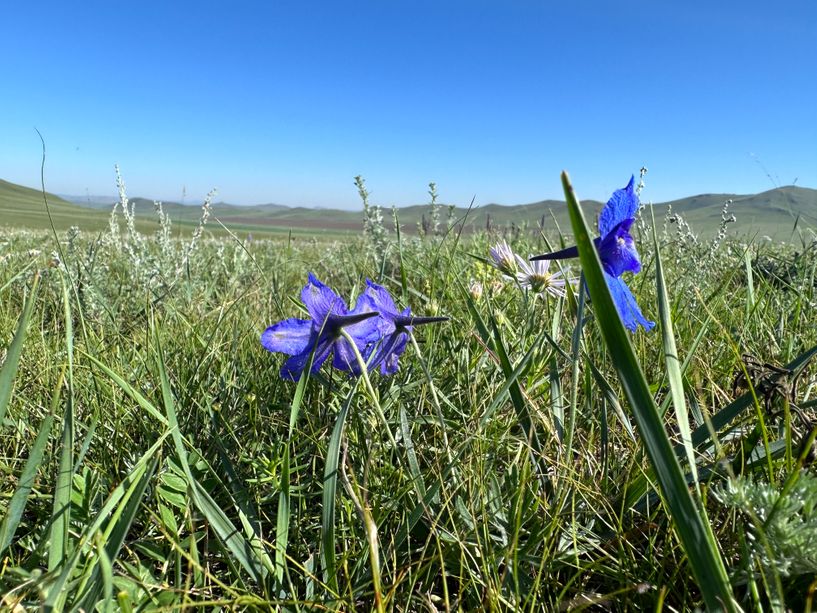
x: 529, y: 454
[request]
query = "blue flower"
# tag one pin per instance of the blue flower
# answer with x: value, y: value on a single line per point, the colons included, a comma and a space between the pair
x: 394, y: 327
x: 617, y: 253
x: 322, y: 332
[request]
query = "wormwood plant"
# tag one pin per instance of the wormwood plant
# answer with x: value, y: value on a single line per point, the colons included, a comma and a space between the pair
x: 782, y: 525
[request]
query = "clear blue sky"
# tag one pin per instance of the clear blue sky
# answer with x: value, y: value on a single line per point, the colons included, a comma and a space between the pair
x: 287, y: 101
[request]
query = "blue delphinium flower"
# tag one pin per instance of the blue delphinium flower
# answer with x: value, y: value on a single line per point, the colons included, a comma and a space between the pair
x: 394, y: 327
x: 322, y: 332
x: 617, y: 253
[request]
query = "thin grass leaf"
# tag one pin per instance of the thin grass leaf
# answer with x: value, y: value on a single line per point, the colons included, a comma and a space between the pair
x: 56, y: 592
x: 98, y: 573
x: 9, y: 370
x: 330, y: 488
x: 674, y: 374
x: 61, y: 514
x: 249, y: 555
x: 691, y: 527
x: 284, y: 501
x: 18, y: 501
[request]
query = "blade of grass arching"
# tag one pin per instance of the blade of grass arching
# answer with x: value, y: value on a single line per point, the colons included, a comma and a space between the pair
x: 610, y: 396
x: 61, y: 514
x: 9, y: 370
x: 403, y: 281
x: 692, y: 529
x: 120, y: 494
x: 330, y: 488
x: 575, y: 347
x: 676, y: 381
x: 414, y: 465
x: 523, y: 415
x: 18, y: 501
x: 685, y: 364
x: 130, y: 391
x: 110, y: 541
x: 556, y: 405
x: 11, y: 281
x: 249, y: 555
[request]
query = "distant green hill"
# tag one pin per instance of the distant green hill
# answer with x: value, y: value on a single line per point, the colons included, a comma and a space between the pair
x: 771, y: 213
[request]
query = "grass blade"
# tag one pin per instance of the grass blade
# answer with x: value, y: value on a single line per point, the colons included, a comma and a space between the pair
x: 18, y: 501
x: 674, y: 375
x: 9, y: 370
x: 693, y: 531
x: 330, y: 488
x: 61, y: 515
x: 249, y: 556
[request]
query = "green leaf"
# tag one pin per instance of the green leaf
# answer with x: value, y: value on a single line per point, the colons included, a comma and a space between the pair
x: 9, y: 370
x: 676, y: 380
x: 61, y: 514
x: 35, y: 457
x: 330, y: 488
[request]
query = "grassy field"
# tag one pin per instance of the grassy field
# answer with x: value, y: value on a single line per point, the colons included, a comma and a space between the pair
x: 528, y: 454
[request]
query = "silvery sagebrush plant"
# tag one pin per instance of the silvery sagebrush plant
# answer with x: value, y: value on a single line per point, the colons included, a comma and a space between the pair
x: 617, y: 253
x: 782, y: 526
x: 374, y: 229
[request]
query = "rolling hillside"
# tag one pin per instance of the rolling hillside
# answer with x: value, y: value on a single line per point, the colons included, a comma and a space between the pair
x: 771, y: 213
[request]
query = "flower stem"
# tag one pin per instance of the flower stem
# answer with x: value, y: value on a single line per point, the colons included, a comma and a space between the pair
x: 364, y: 373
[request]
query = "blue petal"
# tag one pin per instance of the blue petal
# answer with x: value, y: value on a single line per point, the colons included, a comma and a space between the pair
x: 622, y: 205
x: 617, y: 250
x: 294, y: 367
x: 382, y: 299
x: 345, y: 357
x: 369, y: 330
x: 389, y: 365
x: 291, y: 336
x: 389, y: 351
x: 321, y: 301
x: 625, y: 302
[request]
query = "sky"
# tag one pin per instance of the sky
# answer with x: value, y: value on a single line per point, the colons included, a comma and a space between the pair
x: 287, y: 101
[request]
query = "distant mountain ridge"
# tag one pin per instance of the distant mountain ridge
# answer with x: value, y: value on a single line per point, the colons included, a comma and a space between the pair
x: 773, y: 212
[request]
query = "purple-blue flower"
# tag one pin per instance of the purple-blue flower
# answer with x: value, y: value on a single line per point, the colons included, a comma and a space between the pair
x: 394, y: 328
x: 617, y: 253
x: 322, y: 332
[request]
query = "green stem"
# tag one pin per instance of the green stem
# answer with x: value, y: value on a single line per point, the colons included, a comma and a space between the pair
x: 364, y: 373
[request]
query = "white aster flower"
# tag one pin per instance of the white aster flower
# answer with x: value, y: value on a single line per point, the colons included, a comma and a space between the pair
x: 504, y: 259
x: 536, y: 277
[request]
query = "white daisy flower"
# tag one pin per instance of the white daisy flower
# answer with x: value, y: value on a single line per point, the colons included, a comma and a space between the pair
x: 536, y: 277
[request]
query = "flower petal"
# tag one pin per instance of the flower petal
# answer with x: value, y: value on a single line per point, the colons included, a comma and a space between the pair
x: 291, y: 336
x: 345, y: 358
x: 321, y: 301
x: 294, y: 367
x: 381, y: 298
x: 617, y: 250
x: 389, y: 352
x: 622, y: 205
x: 626, y: 305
